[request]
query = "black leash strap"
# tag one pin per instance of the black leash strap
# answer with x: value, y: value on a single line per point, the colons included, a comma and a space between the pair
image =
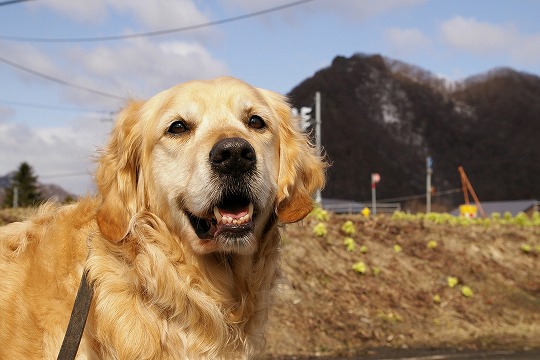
x: 77, y: 321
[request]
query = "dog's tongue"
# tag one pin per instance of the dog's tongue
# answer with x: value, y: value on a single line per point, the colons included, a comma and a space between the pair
x: 234, y: 212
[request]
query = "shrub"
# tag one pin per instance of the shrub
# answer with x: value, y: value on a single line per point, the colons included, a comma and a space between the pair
x: 319, y: 213
x: 466, y: 291
x: 350, y: 244
x: 360, y: 267
x: 391, y: 317
x: 522, y: 219
x: 320, y: 230
x: 452, y: 281
x: 348, y: 228
x: 535, y: 218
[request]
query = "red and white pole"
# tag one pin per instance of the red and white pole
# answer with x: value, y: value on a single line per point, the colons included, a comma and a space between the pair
x: 375, y: 178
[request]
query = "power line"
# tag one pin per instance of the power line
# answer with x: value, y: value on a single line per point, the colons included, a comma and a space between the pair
x: 59, y: 81
x: 156, y: 33
x: 11, y: 2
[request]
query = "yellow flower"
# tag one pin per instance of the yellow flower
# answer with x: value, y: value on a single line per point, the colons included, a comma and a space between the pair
x: 452, y: 281
x: 466, y: 291
x: 320, y: 230
x: 360, y: 267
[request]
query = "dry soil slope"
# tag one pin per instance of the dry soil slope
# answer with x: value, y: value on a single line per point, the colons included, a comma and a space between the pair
x: 324, y: 306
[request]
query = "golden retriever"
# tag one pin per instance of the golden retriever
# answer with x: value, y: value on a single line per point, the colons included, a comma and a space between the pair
x: 181, y: 243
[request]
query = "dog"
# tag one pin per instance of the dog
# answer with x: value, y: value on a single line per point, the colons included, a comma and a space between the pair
x: 181, y: 243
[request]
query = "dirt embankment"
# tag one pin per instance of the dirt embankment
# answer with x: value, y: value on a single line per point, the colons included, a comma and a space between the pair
x: 404, y: 298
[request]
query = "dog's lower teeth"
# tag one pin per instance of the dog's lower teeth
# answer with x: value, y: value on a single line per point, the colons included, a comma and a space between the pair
x: 226, y: 220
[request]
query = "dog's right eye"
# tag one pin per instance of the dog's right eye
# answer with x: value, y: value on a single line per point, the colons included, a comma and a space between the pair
x: 178, y: 127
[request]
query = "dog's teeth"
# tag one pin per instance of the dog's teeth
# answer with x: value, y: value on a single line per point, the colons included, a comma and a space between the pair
x: 225, y: 219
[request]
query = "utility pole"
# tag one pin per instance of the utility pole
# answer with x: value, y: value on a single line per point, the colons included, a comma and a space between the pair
x: 15, y: 197
x: 429, y: 171
x: 318, y: 196
x: 306, y: 122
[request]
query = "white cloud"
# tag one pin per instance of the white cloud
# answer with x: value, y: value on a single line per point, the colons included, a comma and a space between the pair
x: 364, y: 9
x: 252, y: 5
x: 527, y: 52
x: 31, y: 57
x: 352, y: 9
x: 407, y: 40
x: 138, y: 68
x: 141, y: 68
x: 84, y: 11
x: 478, y: 37
x: 483, y: 38
x: 155, y: 14
x: 54, y: 151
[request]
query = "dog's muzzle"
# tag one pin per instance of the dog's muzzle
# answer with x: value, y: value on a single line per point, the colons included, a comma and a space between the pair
x: 233, y: 162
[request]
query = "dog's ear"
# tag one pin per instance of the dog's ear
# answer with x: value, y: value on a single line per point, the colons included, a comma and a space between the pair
x: 301, y: 169
x: 117, y: 175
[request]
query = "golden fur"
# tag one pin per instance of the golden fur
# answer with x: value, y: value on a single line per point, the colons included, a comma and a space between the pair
x: 160, y: 291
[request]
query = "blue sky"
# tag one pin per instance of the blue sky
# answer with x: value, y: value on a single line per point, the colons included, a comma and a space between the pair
x: 452, y: 39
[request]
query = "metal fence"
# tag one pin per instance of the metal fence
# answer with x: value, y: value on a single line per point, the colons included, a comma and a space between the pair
x: 352, y: 208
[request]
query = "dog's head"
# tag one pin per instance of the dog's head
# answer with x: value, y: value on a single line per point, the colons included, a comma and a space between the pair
x: 215, y: 160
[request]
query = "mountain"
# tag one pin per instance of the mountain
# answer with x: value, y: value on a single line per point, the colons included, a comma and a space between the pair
x: 385, y: 116
x: 48, y: 191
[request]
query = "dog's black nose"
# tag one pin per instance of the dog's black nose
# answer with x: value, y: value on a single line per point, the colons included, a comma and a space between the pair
x: 233, y: 156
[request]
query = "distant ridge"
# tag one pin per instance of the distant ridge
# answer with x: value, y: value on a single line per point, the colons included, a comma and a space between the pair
x: 48, y: 191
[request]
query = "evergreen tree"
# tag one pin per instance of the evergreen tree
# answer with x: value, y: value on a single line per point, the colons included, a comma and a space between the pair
x: 26, y: 184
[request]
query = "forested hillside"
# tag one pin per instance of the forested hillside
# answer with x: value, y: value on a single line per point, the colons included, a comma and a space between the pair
x: 385, y: 116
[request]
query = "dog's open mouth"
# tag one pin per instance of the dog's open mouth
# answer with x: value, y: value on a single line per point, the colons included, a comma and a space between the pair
x: 232, y: 217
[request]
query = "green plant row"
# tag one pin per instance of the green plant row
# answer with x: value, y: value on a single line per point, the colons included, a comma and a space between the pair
x: 521, y: 219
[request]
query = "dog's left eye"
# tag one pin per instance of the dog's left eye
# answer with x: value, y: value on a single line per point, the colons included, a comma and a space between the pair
x: 178, y: 127
x: 256, y: 122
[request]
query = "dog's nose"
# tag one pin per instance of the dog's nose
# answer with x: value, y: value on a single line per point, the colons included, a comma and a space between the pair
x: 233, y: 156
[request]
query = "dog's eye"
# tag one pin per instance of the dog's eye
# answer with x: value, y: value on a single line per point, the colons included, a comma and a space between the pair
x: 178, y: 127
x: 256, y: 122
